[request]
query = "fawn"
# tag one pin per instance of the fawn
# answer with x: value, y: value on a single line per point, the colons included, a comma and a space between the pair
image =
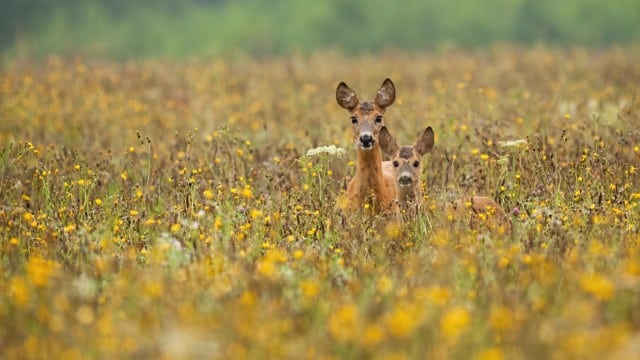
x: 407, y: 167
x: 373, y: 183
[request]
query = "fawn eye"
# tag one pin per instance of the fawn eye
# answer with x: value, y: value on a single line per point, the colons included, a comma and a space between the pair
x: 396, y: 163
x: 354, y: 120
x: 378, y: 118
x: 416, y: 163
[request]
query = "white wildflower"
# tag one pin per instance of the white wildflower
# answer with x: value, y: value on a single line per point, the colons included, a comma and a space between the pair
x: 512, y: 143
x: 85, y: 286
x: 331, y: 150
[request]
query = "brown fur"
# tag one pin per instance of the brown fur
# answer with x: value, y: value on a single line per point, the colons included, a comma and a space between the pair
x: 373, y: 182
x: 407, y: 163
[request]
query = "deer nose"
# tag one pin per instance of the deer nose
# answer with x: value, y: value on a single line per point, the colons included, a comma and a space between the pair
x: 405, y: 179
x: 366, y: 140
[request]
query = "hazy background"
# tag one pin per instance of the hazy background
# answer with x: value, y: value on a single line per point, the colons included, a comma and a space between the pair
x: 171, y: 28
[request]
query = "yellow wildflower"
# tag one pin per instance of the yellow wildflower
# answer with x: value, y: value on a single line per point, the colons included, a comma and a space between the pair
x: 266, y: 268
x: 492, y: 353
x: 454, y: 323
x: 403, y: 320
x: 372, y: 335
x: 153, y: 289
x: 248, y: 298
x: 208, y: 194
x: 500, y: 318
x: 246, y: 192
x: 310, y: 289
x: 27, y: 217
x: 276, y: 255
x: 598, y: 286
x: 255, y: 214
x: 344, y: 323
x: 385, y: 284
x: 19, y: 291
x: 40, y: 271
x: 439, y: 295
x: 393, y: 230
x: 69, y: 228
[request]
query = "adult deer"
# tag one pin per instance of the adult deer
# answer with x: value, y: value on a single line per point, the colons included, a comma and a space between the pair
x: 373, y: 183
x: 407, y: 171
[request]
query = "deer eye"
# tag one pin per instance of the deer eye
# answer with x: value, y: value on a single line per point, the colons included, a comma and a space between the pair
x: 396, y: 163
x: 416, y: 163
x: 378, y: 118
x: 354, y: 120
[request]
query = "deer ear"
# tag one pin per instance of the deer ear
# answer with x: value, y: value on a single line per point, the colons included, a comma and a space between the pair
x: 424, y: 144
x: 388, y: 144
x: 346, y: 97
x: 386, y: 95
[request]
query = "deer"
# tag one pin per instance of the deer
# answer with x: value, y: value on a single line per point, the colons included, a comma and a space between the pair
x: 373, y: 183
x: 407, y: 171
x: 407, y: 167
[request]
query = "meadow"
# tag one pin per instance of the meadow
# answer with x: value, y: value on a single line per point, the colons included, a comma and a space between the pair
x: 170, y: 208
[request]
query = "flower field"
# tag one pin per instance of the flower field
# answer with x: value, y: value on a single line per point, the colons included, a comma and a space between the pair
x: 192, y: 209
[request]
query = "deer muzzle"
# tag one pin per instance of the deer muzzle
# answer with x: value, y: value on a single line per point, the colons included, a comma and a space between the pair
x: 366, y: 140
x: 405, y: 179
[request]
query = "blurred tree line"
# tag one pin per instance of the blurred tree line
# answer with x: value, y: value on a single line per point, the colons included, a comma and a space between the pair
x: 122, y: 28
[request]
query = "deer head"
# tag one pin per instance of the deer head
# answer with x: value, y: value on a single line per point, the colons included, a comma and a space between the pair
x: 367, y: 117
x: 407, y: 161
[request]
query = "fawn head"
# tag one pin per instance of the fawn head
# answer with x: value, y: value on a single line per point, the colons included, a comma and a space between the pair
x: 367, y: 117
x: 407, y: 160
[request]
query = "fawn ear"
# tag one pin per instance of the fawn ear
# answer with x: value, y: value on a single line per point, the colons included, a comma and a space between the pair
x: 346, y: 97
x: 388, y: 144
x: 386, y: 95
x: 424, y: 144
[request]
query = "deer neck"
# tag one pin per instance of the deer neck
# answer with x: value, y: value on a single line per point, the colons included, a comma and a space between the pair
x: 409, y: 201
x: 409, y: 197
x: 369, y: 173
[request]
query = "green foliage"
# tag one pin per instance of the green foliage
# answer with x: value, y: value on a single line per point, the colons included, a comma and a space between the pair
x: 169, y: 28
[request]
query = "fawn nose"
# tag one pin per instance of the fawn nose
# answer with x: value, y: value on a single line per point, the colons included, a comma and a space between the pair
x: 405, y: 180
x: 366, y: 140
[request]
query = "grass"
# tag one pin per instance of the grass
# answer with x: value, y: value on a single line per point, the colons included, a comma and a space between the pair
x: 159, y: 209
